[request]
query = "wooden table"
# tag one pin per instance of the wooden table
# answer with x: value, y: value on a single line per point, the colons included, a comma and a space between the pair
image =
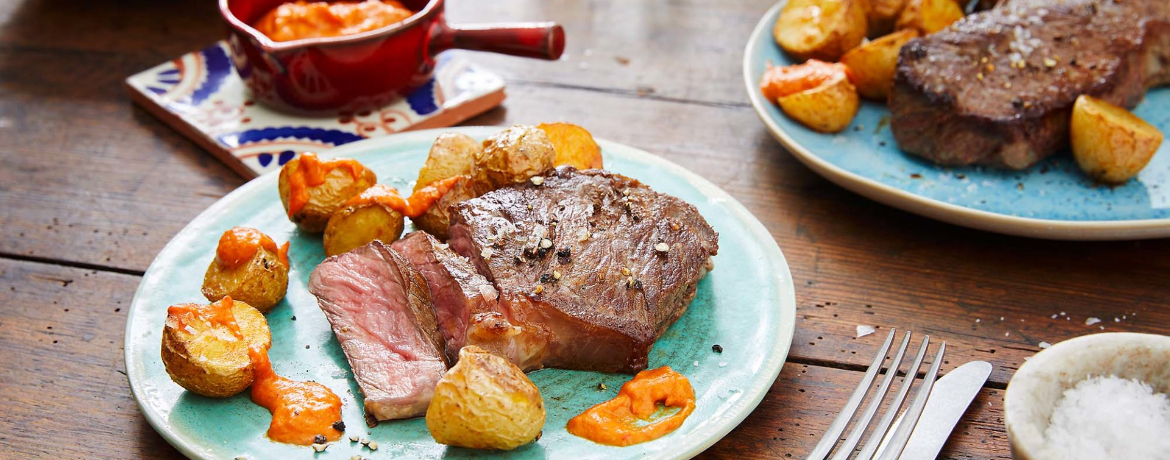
x: 92, y: 187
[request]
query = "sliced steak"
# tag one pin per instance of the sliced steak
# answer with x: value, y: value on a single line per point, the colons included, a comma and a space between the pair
x: 997, y: 88
x: 380, y: 310
x: 459, y: 293
x: 592, y: 267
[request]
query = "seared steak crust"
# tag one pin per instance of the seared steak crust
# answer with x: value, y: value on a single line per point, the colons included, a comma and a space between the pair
x: 592, y: 267
x: 997, y: 88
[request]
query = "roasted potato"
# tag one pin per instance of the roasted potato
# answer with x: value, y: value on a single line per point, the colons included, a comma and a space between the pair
x: 574, y: 145
x: 485, y: 402
x: 260, y: 280
x: 452, y: 154
x: 882, y: 15
x: 929, y: 16
x: 828, y: 108
x: 1109, y: 143
x: 514, y: 155
x: 204, y: 355
x: 820, y: 29
x: 361, y: 221
x: 436, y: 219
x: 343, y: 179
x: 873, y: 64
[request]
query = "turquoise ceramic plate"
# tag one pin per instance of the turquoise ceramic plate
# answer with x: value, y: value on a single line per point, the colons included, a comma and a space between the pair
x: 1051, y: 200
x: 746, y: 305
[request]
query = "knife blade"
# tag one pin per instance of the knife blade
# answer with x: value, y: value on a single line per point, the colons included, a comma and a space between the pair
x: 949, y: 398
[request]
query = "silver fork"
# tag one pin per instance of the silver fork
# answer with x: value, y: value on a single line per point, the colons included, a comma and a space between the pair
x: 897, y: 440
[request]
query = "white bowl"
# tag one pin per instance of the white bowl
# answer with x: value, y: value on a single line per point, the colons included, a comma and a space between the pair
x: 1034, y: 391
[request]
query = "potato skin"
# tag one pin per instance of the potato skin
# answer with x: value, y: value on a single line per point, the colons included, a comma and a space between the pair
x: 882, y: 15
x: 929, y: 16
x: 874, y: 63
x: 574, y: 145
x: 820, y: 29
x: 261, y: 282
x: 437, y: 218
x: 356, y: 225
x: 326, y: 198
x: 514, y: 155
x: 1109, y: 143
x: 485, y: 402
x: 206, y: 362
x: 452, y: 154
x: 828, y: 108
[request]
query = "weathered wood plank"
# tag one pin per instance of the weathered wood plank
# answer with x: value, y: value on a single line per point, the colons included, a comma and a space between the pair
x: 64, y: 392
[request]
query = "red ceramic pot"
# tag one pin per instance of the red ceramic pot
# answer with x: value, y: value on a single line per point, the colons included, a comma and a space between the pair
x: 368, y: 69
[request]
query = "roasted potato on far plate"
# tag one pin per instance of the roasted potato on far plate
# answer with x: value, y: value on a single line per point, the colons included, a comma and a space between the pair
x: 882, y: 15
x: 260, y: 280
x: 820, y: 29
x: 452, y: 154
x: 514, y: 155
x: 1109, y: 143
x: 485, y: 402
x: 929, y: 16
x: 359, y: 223
x: 574, y: 145
x: 312, y: 190
x: 204, y: 355
x: 828, y: 108
x: 873, y: 64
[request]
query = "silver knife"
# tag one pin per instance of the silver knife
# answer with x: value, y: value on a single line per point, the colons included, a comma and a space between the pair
x: 949, y: 398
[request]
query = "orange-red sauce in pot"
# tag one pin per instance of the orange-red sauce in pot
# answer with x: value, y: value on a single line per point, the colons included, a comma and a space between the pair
x: 301, y: 19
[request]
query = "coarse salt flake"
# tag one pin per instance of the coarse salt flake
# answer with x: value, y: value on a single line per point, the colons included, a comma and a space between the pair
x: 1045, y: 345
x: 1109, y: 418
x: 863, y: 330
x: 1091, y: 321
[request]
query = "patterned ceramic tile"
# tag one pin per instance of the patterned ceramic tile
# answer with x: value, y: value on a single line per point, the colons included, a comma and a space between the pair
x: 201, y: 95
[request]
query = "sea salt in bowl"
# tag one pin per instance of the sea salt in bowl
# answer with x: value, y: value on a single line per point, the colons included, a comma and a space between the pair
x: 1036, y: 389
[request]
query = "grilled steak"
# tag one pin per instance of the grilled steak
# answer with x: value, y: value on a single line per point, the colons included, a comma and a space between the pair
x: 380, y: 310
x: 458, y: 292
x: 592, y: 267
x: 997, y: 88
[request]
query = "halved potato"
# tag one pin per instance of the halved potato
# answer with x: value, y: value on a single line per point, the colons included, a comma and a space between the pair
x: 340, y: 184
x: 929, y: 16
x: 1109, y: 143
x: 574, y: 145
x: 873, y: 64
x: 205, y: 356
x: 485, y: 402
x: 514, y: 155
x: 436, y: 219
x: 882, y: 15
x: 820, y: 29
x: 260, y: 281
x: 828, y: 108
x: 452, y: 154
x: 357, y: 225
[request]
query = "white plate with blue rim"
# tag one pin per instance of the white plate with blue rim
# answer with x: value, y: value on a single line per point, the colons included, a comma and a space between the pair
x: 1051, y: 200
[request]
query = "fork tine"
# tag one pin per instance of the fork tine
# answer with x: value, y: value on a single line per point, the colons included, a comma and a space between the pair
x: 871, y: 408
x: 902, y: 434
x: 879, y: 432
x: 838, y: 426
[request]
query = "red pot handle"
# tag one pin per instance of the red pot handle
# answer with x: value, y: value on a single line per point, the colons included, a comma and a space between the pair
x: 540, y: 40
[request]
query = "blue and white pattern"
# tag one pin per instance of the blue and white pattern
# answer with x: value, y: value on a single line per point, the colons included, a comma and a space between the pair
x: 201, y: 92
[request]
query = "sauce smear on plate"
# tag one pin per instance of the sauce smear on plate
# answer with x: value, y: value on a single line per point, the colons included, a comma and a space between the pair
x: 300, y: 19
x: 626, y: 419
x: 301, y: 411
